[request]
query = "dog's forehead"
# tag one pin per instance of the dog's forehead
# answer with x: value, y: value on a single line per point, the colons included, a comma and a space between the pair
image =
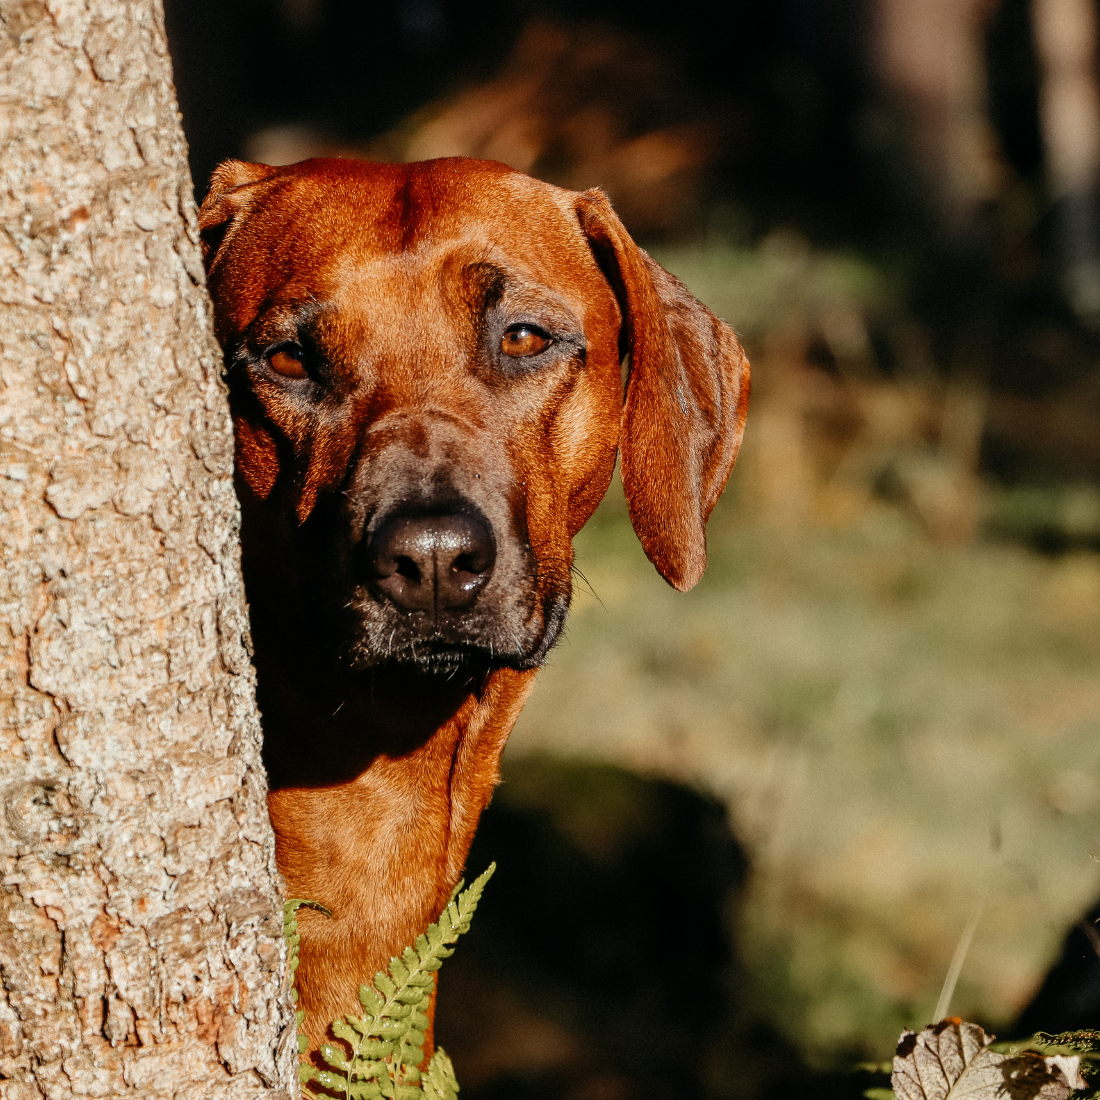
x: 348, y: 213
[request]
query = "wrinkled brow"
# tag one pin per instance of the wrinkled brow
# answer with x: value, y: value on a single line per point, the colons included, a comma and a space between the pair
x: 487, y: 284
x: 483, y: 283
x: 285, y: 321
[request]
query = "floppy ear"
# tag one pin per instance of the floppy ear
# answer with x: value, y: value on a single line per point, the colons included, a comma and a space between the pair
x: 686, y: 397
x: 231, y: 193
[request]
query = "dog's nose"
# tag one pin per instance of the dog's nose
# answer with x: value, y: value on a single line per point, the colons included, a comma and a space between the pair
x: 432, y: 563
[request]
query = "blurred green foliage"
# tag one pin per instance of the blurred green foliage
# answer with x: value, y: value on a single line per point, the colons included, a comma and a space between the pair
x: 781, y: 282
x: 900, y: 731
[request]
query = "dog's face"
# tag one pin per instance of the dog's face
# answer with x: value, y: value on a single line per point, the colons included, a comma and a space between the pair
x: 424, y: 370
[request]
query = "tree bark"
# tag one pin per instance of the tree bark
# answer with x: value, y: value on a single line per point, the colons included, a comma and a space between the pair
x: 930, y: 56
x: 1066, y: 42
x: 141, y: 951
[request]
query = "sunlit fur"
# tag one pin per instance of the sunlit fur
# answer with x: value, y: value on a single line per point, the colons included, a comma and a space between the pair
x: 394, y: 287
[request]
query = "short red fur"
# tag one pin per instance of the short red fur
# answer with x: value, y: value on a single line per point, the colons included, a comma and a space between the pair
x: 392, y: 294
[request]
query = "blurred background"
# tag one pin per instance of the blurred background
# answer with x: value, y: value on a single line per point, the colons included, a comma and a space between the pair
x: 744, y: 832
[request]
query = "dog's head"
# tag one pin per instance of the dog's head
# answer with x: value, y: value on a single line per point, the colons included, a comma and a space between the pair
x: 424, y: 364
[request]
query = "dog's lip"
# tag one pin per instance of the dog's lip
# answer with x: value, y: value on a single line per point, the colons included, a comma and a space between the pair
x: 441, y: 646
x: 437, y: 644
x: 437, y: 657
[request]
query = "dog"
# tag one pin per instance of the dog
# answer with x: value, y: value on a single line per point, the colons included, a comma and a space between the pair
x: 424, y: 364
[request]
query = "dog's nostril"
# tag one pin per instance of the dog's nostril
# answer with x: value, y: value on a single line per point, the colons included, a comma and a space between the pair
x: 434, y: 563
x: 466, y: 563
x: 406, y: 567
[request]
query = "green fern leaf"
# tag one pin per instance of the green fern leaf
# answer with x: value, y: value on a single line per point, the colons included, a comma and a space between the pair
x: 388, y: 1029
x: 293, y: 946
x: 365, y: 1046
x: 1085, y: 1042
x: 334, y: 1057
x: 292, y: 905
x: 361, y: 1025
x: 385, y: 1081
x: 329, y: 1080
x: 290, y: 921
x: 368, y: 1071
x: 386, y: 1044
x: 439, y: 1082
x: 343, y: 1030
x: 413, y: 1045
x: 366, y: 1090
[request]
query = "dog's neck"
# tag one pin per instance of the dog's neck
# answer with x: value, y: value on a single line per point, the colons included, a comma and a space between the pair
x: 380, y: 778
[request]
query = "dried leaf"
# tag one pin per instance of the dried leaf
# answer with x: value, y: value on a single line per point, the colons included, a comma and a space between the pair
x: 951, y: 1061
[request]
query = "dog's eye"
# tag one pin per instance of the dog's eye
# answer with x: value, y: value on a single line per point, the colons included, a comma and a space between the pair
x: 287, y: 361
x: 523, y: 340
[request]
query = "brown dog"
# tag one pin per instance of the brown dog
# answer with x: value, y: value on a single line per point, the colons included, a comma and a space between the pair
x: 424, y: 364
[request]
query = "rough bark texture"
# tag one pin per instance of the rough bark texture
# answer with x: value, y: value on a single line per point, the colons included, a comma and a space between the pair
x: 140, y: 926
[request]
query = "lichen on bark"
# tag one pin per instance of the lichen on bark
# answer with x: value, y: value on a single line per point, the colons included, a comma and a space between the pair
x: 140, y: 919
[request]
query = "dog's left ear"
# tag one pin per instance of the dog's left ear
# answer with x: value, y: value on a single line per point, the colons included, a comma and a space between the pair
x: 686, y: 397
x: 231, y: 193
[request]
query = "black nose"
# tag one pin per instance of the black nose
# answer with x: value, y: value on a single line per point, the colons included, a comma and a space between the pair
x: 431, y: 563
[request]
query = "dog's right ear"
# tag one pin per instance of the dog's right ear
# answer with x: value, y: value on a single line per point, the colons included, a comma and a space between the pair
x: 684, y: 412
x: 232, y: 192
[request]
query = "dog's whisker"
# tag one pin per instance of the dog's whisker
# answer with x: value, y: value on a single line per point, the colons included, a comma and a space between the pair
x: 587, y: 584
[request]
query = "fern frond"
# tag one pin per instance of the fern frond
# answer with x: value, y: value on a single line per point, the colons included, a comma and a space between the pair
x: 293, y: 947
x: 1084, y: 1042
x: 439, y: 1082
x: 386, y: 1043
x: 334, y: 1057
x: 290, y: 928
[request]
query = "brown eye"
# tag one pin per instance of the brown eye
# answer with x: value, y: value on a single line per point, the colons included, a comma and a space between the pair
x: 523, y: 340
x: 287, y: 362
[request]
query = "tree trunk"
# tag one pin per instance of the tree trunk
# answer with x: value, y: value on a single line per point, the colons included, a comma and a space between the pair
x: 930, y: 56
x: 1066, y: 42
x: 140, y: 925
